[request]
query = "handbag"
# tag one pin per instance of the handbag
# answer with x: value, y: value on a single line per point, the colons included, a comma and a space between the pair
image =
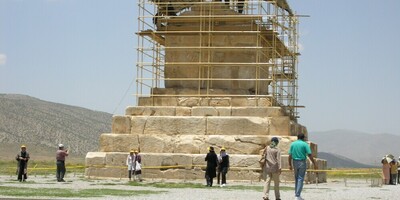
x: 262, y: 161
x: 138, y: 167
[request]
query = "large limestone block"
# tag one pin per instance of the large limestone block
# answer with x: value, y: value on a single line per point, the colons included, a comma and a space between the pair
x: 183, y: 111
x: 237, y: 126
x: 244, y: 102
x: 264, y: 102
x: 189, y: 101
x: 121, y: 124
x: 117, y: 159
x: 280, y: 126
x: 95, y: 158
x: 173, y: 125
x: 220, y: 102
x: 257, y: 111
x: 118, y: 142
x: 162, y: 160
x: 204, y: 111
x: 150, y: 111
x: 163, y: 143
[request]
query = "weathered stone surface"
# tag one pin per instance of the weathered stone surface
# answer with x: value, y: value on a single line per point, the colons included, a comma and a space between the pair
x: 183, y: 111
x: 118, y: 142
x: 264, y: 102
x: 256, y: 111
x: 150, y: 111
x: 224, y: 111
x: 189, y: 101
x: 220, y: 102
x: 204, y: 111
x: 95, y: 159
x: 237, y: 126
x: 175, y: 125
x: 243, y: 102
x: 280, y: 126
x: 121, y: 124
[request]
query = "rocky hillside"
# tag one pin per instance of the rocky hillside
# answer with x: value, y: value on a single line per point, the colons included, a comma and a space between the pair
x: 338, y: 161
x: 42, y: 124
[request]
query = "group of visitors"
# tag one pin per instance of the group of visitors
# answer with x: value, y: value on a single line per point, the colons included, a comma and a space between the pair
x: 271, y: 165
x: 217, y: 166
x: 23, y: 158
x: 391, y: 170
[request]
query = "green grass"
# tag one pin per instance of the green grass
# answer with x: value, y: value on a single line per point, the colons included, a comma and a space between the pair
x: 199, y: 185
x: 51, y: 192
x: 354, y: 173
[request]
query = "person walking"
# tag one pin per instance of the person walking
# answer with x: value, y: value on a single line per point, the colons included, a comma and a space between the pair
x: 212, y: 162
x: 60, y: 157
x: 137, y: 166
x: 224, y: 166
x: 298, y: 152
x: 272, y: 168
x: 22, y: 168
x: 130, y: 163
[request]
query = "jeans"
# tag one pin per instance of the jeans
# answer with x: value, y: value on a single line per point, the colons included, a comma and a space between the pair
x: 21, y: 171
x: 300, y: 167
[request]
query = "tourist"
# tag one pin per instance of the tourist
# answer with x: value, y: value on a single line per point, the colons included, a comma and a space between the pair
x: 212, y: 162
x: 393, y: 172
x: 22, y: 168
x: 219, y: 167
x: 398, y: 171
x: 130, y: 163
x: 60, y: 157
x: 298, y: 152
x: 137, y: 166
x: 224, y: 166
x: 272, y: 168
x: 385, y: 171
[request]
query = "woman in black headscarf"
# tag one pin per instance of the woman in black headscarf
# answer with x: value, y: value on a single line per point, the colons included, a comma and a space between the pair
x: 211, y: 170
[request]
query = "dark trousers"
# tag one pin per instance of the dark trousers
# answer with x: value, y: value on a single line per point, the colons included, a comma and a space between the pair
x: 224, y: 171
x: 218, y: 177
x: 398, y: 176
x: 209, y: 180
x: 60, y: 170
x: 21, y: 171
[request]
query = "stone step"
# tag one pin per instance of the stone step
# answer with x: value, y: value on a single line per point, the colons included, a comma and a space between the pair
x: 203, y: 111
x: 194, y: 144
x: 206, y: 125
x: 182, y: 166
x: 206, y: 101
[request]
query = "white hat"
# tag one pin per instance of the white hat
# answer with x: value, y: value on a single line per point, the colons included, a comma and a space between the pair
x: 60, y: 145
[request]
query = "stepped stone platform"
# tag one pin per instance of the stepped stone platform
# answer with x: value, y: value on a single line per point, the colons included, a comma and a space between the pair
x: 173, y: 141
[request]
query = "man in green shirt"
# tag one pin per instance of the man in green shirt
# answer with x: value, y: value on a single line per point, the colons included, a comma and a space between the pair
x: 298, y: 152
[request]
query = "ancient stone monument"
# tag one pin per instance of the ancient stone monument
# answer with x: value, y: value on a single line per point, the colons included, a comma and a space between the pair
x: 209, y: 73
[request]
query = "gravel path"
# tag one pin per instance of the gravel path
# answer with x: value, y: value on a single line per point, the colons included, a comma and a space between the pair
x: 334, y: 189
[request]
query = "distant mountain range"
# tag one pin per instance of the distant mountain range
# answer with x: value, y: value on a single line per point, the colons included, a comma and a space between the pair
x: 358, y: 146
x: 42, y: 125
x: 338, y: 161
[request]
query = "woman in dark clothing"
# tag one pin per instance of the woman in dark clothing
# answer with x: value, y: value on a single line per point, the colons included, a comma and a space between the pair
x: 224, y: 165
x: 212, y: 162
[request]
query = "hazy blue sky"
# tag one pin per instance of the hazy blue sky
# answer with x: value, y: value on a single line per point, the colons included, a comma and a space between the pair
x: 82, y: 53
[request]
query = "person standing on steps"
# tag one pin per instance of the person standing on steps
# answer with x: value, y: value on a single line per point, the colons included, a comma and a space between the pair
x: 60, y: 157
x: 212, y: 162
x: 22, y: 168
x: 298, y: 152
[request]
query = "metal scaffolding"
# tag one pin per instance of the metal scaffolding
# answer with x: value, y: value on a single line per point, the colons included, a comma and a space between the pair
x: 231, y: 48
